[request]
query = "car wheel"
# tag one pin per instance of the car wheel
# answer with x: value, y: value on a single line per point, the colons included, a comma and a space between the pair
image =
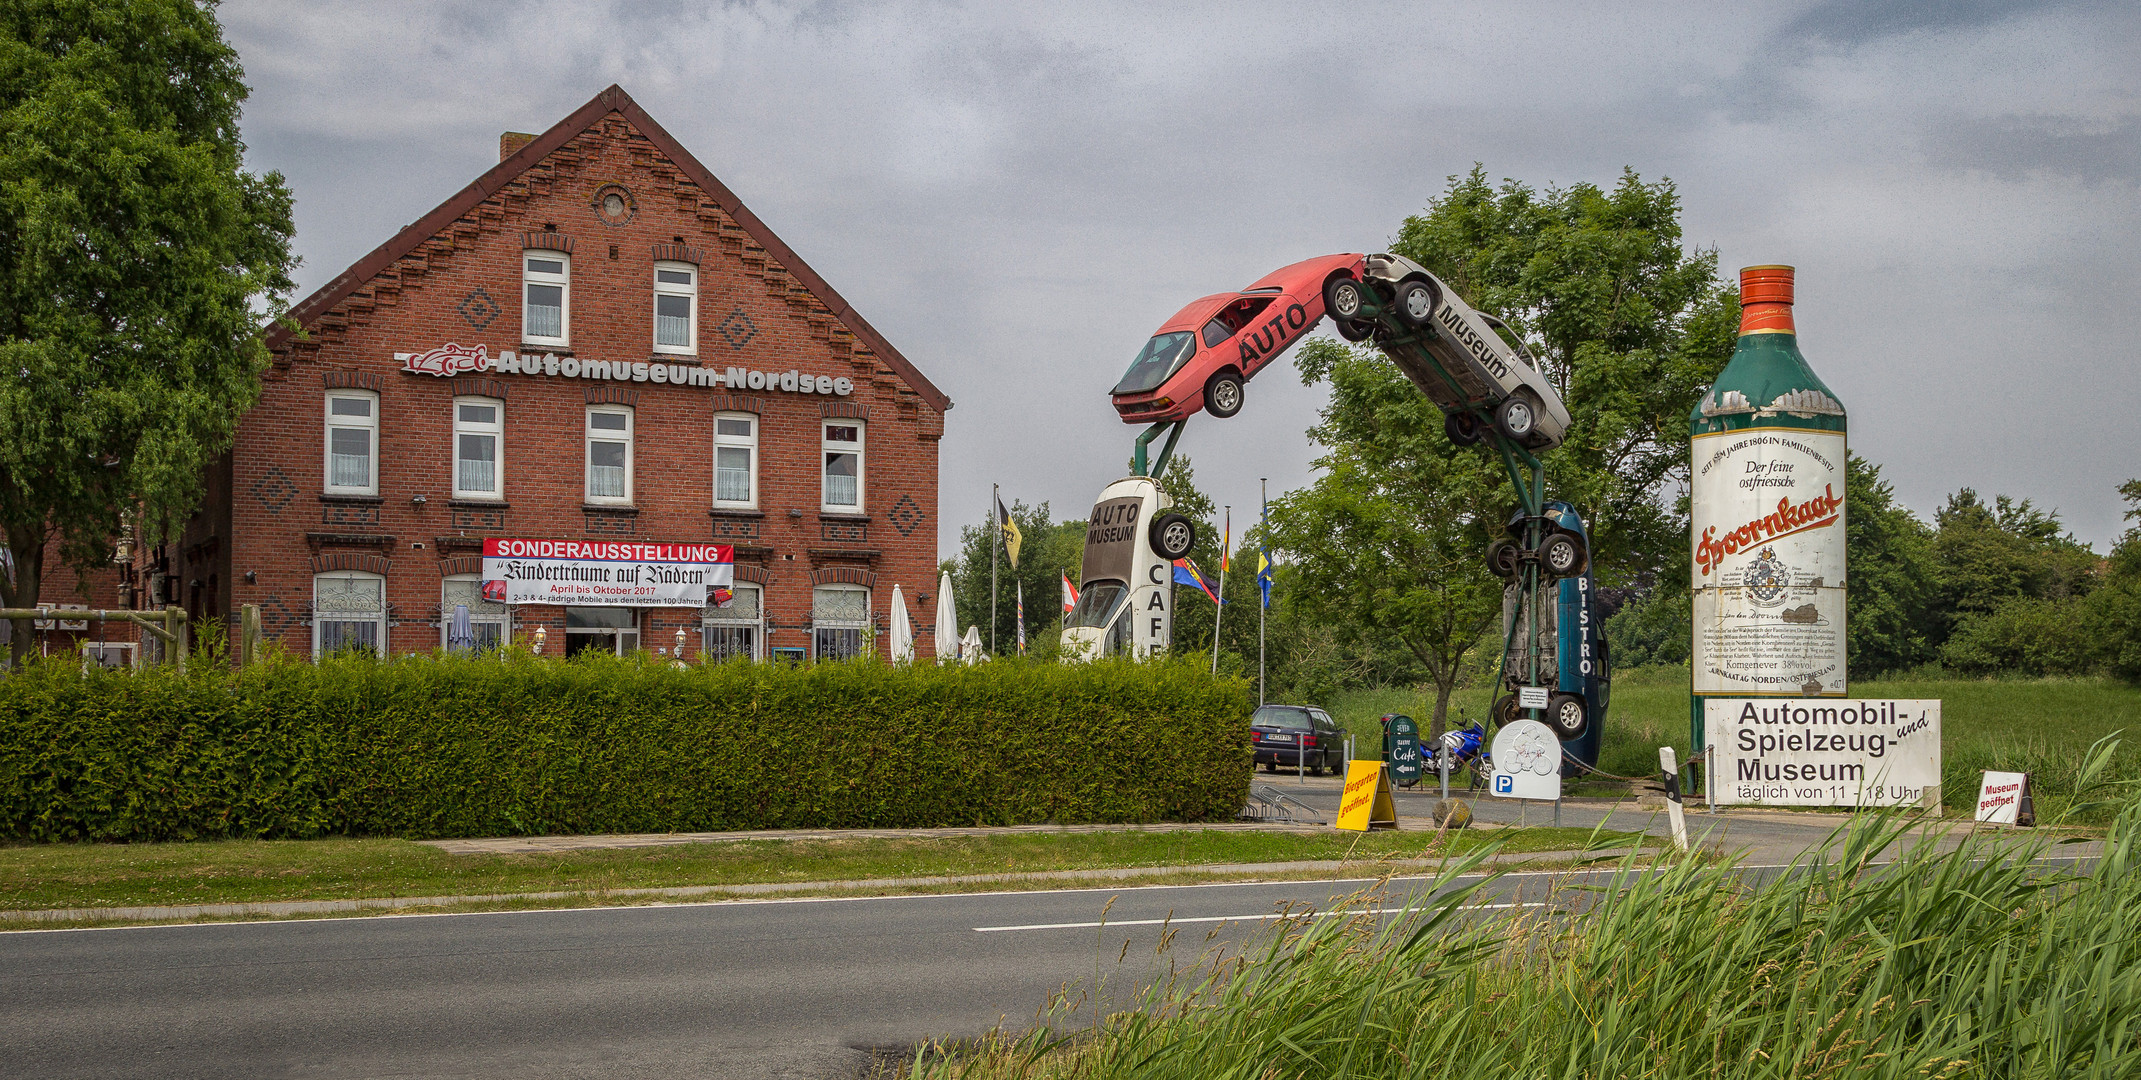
x: 1416, y: 302
x: 1343, y: 299
x: 1565, y: 714
x: 1562, y: 555
x: 1461, y: 427
x: 1516, y: 417
x: 1502, y: 556
x: 1352, y: 330
x: 1173, y: 536
x: 1223, y: 395
x: 1504, y: 711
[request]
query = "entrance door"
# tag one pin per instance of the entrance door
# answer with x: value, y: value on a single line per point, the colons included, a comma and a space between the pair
x: 613, y: 630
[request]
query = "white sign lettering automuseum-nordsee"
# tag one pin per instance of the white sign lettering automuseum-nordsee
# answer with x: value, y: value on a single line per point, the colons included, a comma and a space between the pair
x: 605, y: 574
x: 1823, y: 751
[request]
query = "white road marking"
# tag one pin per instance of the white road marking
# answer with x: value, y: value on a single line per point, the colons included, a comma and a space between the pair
x: 1206, y: 918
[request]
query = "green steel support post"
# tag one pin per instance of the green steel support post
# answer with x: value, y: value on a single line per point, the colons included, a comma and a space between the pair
x: 1167, y: 449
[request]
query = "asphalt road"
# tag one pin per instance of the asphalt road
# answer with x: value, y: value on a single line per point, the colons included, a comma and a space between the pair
x: 761, y: 989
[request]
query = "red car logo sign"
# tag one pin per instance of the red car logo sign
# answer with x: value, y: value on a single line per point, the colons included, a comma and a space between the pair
x: 448, y: 359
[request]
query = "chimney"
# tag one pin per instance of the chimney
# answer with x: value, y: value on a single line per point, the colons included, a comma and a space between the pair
x: 511, y: 141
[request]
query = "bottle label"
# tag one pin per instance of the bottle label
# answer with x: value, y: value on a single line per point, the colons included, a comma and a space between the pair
x: 1767, y: 518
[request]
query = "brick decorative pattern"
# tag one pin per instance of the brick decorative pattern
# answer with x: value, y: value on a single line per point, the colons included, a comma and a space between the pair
x: 606, y: 522
x: 849, y: 410
x: 612, y: 394
x: 460, y: 564
x: 477, y: 309
x: 843, y: 575
x: 845, y: 531
x: 274, y: 489
x: 905, y: 515
x: 733, y: 529
x: 478, y: 386
x: 328, y: 562
x: 343, y: 379
x: 676, y: 253
x: 472, y: 517
x: 339, y: 513
x: 545, y: 241
x: 737, y: 329
x: 737, y: 403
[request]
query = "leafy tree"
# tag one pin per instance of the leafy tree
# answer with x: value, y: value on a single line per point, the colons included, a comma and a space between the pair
x: 1047, y: 549
x: 1891, y: 579
x: 2114, y: 610
x: 1627, y: 323
x: 1390, y: 541
x: 137, y: 258
x: 1990, y: 553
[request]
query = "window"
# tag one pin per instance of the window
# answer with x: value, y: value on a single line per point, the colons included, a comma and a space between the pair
x: 735, y: 459
x: 613, y: 630
x: 486, y: 628
x: 609, y: 454
x: 843, y: 466
x: 733, y: 629
x: 352, y: 442
x: 838, y: 614
x: 546, y: 291
x: 676, y: 303
x: 349, y: 611
x: 478, y: 434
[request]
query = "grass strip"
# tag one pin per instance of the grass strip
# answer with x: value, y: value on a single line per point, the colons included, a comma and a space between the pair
x: 46, y: 876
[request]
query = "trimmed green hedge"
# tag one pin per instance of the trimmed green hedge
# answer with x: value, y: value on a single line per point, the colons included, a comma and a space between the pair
x: 448, y: 746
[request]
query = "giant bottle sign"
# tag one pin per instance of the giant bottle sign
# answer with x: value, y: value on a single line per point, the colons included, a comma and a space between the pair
x: 1767, y: 513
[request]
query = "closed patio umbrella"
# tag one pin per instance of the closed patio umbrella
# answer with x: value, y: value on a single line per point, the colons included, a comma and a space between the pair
x: 902, y: 630
x: 947, y: 630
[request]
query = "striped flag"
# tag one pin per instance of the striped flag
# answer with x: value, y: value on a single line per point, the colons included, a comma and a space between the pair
x: 1021, y: 617
x: 1186, y: 574
x: 1070, y: 594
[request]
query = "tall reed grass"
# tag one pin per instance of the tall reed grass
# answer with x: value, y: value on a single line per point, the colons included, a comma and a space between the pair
x: 1960, y: 963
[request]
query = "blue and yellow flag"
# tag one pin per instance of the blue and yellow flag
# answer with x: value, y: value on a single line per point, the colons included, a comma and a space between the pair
x: 1186, y: 574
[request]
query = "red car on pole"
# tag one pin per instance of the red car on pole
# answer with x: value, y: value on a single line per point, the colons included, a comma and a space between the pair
x: 1200, y: 358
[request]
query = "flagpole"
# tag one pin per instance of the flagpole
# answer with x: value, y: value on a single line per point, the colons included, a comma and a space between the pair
x: 1264, y: 517
x: 996, y: 537
x: 1219, y: 609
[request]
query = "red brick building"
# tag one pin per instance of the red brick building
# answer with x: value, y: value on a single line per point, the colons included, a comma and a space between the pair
x: 595, y: 340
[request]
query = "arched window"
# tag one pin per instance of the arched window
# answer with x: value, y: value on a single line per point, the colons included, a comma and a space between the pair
x: 489, y: 625
x: 349, y: 611
x: 737, y: 628
x: 838, y: 616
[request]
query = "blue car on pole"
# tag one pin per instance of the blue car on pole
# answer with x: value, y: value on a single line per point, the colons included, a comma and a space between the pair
x: 1570, y: 638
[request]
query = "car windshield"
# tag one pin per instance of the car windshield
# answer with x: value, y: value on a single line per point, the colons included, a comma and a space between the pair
x: 1280, y: 716
x: 1097, y: 604
x: 1161, y: 356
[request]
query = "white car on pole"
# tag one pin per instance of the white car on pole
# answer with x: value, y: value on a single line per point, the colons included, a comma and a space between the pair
x: 1126, y: 587
x: 1451, y: 351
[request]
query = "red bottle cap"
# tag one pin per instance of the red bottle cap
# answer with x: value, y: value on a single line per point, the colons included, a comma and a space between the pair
x: 1766, y: 300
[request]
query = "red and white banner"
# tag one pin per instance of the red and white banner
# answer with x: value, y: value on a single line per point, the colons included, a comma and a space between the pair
x: 600, y: 573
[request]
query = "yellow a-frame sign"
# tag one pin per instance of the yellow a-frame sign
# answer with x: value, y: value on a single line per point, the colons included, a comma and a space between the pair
x: 1368, y: 801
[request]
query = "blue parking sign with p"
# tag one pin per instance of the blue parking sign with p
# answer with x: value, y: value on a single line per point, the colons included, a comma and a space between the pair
x: 1504, y: 783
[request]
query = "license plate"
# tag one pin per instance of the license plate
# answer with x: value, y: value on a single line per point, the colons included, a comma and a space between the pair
x: 1278, y: 738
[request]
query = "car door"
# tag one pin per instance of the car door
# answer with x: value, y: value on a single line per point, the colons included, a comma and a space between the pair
x: 1328, y: 738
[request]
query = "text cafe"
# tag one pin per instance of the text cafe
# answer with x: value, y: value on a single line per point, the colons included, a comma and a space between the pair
x: 591, y: 401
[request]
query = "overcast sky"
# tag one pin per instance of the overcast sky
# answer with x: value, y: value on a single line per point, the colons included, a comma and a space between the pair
x: 1016, y: 195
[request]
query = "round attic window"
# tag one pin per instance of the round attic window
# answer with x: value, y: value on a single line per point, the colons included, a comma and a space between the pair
x: 613, y: 203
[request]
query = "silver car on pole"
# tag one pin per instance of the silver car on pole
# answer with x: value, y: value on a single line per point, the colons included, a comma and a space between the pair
x: 1449, y: 350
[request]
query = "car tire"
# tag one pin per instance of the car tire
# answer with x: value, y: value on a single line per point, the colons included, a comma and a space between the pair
x: 1353, y: 330
x: 1562, y: 556
x: 1504, y: 711
x: 1416, y: 302
x: 1223, y: 394
x: 1343, y: 300
x: 1516, y: 417
x: 1502, y: 557
x: 1173, y: 536
x: 1461, y: 427
x: 1566, y: 714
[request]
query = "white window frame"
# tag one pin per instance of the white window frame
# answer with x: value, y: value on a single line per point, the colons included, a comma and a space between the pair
x: 587, y: 463
x: 320, y: 619
x: 497, y: 431
x: 861, y: 627
x: 563, y: 281
x: 368, y: 424
x: 747, y: 443
x: 709, y: 622
x: 828, y: 446
x: 690, y: 291
x: 502, y: 618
